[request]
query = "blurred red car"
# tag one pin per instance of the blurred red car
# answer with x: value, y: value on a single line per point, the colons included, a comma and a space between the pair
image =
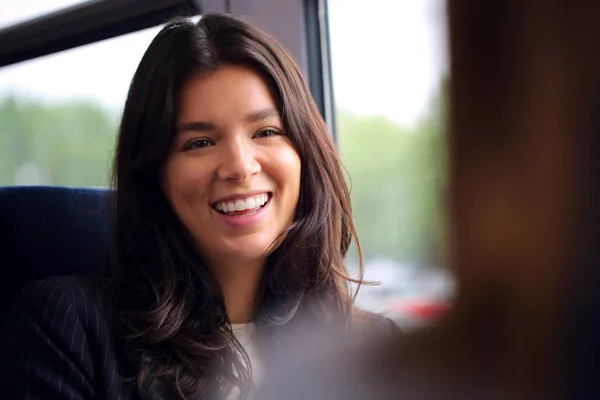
x: 419, y: 308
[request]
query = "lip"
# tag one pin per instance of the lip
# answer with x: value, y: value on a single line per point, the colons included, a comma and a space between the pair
x: 245, y: 221
x: 240, y: 196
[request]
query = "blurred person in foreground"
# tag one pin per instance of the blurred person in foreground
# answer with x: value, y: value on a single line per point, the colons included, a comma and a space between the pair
x: 524, y: 213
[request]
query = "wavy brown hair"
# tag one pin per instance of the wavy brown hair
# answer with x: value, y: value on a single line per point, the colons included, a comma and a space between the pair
x: 169, y: 311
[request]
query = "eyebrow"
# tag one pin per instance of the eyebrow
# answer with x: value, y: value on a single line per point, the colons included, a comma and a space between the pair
x: 196, y: 126
x: 263, y: 114
x: 201, y: 126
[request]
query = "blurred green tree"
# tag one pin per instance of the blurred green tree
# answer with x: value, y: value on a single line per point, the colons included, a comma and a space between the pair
x: 66, y: 143
x: 398, y: 180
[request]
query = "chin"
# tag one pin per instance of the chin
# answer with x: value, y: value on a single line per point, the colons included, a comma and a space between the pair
x: 249, y: 252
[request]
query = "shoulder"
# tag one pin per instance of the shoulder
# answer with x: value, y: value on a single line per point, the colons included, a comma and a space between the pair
x: 387, y: 325
x: 370, y: 322
x: 55, y: 290
x: 63, y: 284
x: 58, y: 330
x: 54, y: 298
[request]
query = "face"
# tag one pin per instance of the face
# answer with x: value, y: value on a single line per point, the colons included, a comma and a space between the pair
x: 232, y: 176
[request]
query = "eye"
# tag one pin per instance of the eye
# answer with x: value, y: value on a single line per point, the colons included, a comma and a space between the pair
x: 197, y: 144
x: 267, y: 133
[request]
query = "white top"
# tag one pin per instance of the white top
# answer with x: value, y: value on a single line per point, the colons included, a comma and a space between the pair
x: 246, y: 335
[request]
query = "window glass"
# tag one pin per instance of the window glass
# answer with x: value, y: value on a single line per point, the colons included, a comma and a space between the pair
x: 13, y: 12
x: 59, y: 114
x: 389, y: 71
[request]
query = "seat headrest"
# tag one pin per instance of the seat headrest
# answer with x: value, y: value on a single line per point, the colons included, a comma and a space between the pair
x: 50, y: 231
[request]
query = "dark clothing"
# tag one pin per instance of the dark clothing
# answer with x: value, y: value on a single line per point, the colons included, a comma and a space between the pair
x: 59, y: 344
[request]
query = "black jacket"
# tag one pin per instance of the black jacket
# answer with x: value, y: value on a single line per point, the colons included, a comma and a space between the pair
x: 59, y: 344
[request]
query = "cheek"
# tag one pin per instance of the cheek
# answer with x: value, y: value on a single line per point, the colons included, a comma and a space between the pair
x: 289, y: 170
x: 184, y: 181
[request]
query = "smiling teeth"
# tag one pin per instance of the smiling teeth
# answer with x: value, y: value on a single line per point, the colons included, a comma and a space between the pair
x: 249, y: 203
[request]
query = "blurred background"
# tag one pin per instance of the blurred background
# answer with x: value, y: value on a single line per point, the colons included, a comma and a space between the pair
x: 389, y: 69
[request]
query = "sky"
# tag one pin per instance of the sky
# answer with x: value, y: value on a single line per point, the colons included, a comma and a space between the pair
x: 387, y: 58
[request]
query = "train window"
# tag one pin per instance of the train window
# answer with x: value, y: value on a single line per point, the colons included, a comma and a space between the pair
x: 59, y: 113
x: 389, y: 100
x: 59, y: 116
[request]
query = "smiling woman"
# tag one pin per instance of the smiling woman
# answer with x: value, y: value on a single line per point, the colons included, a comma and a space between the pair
x: 232, y: 222
x: 233, y: 177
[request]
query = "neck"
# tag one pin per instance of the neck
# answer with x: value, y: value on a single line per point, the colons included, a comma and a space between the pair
x: 239, y: 284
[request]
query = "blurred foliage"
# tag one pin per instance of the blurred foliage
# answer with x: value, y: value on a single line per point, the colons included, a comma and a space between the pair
x: 397, y: 174
x: 55, y: 143
x: 398, y: 181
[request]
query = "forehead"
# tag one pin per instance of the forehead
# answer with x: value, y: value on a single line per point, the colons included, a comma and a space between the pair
x: 225, y: 93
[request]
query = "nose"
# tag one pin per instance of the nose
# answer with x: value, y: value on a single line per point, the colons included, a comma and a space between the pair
x: 238, y: 162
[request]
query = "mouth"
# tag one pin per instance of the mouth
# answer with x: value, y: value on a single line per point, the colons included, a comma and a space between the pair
x: 243, y: 207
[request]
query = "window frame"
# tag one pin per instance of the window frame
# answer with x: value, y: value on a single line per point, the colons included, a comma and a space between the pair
x: 98, y: 20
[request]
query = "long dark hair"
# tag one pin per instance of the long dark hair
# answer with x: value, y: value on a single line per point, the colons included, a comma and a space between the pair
x: 169, y: 311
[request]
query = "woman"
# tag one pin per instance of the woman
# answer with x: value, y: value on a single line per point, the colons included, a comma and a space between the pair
x: 232, y: 219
